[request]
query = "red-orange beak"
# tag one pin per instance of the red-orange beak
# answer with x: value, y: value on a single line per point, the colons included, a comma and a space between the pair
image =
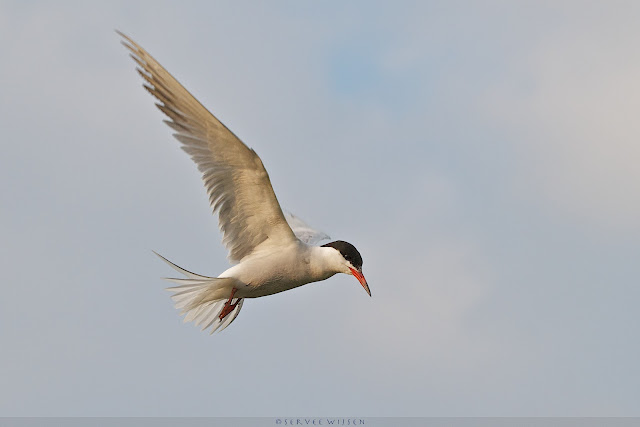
x: 358, y: 275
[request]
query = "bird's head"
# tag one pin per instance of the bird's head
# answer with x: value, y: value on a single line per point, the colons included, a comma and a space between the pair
x: 350, y: 261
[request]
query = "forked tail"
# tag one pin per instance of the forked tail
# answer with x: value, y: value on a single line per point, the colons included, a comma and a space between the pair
x: 203, y: 298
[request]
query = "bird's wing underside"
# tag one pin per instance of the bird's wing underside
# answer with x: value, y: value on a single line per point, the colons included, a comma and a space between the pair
x: 303, y: 231
x: 237, y: 183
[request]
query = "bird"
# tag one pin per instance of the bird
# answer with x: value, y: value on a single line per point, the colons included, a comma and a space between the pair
x: 272, y: 250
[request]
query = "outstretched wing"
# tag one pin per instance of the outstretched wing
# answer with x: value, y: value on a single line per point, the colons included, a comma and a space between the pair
x: 303, y: 231
x: 237, y: 183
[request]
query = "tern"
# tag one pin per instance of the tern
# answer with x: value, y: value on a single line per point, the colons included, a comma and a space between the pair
x: 272, y: 252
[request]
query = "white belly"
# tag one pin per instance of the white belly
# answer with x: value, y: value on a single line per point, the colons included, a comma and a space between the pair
x: 276, y: 271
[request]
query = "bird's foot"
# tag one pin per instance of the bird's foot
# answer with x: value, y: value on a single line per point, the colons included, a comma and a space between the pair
x: 228, y: 307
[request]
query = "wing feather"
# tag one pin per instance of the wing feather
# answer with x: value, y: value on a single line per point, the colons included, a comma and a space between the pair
x: 305, y: 232
x: 236, y: 181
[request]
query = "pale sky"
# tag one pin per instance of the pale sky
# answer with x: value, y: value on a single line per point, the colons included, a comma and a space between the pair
x: 482, y: 155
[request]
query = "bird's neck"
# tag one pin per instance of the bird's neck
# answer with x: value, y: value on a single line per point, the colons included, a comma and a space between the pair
x: 324, y: 262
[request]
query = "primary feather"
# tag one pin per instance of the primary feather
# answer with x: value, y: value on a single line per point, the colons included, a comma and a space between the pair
x: 237, y: 183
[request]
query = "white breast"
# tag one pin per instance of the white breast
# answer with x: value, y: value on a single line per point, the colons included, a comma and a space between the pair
x: 271, y: 271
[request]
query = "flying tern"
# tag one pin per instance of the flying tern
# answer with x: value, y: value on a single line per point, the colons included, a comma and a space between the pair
x: 272, y: 252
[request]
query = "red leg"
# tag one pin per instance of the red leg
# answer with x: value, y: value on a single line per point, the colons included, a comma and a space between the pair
x: 228, y: 307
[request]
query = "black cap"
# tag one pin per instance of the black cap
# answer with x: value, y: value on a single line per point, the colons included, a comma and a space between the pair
x: 348, y: 252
